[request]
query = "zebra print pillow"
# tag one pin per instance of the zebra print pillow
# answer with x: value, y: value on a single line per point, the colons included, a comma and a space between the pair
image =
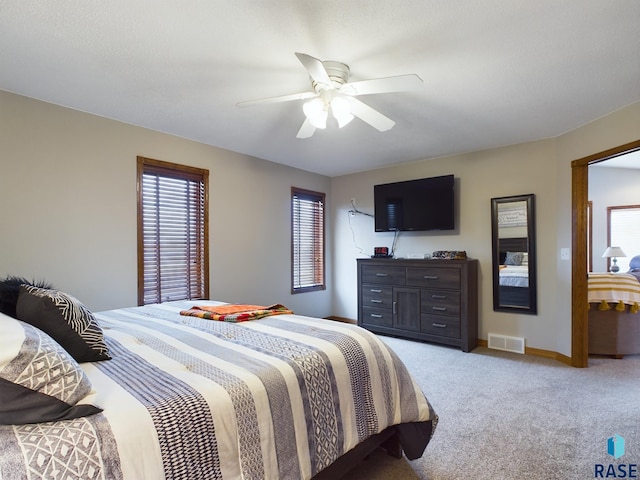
x: 64, y: 318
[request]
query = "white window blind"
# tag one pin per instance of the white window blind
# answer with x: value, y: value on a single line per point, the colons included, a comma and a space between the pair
x: 307, y: 239
x: 172, y: 237
x: 624, y: 232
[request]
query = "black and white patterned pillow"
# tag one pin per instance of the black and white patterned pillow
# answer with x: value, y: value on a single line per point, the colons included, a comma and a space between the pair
x: 10, y: 289
x: 39, y: 381
x: 64, y: 318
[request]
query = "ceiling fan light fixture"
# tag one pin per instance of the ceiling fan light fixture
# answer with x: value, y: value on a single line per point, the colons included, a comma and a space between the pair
x: 316, y: 111
x: 341, y: 110
x: 333, y: 91
x: 343, y: 119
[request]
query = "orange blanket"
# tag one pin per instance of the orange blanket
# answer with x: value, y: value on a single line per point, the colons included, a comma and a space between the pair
x: 235, y: 312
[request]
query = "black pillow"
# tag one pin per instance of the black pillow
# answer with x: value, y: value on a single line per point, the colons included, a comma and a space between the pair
x: 65, y: 319
x: 39, y: 381
x: 9, y: 291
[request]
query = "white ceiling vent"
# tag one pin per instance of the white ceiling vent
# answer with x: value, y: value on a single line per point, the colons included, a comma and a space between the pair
x: 508, y: 344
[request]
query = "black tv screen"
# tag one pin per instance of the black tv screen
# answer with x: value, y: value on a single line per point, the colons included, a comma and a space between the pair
x: 415, y: 205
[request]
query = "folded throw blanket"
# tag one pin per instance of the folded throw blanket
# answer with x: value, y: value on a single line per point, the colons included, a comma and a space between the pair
x: 619, y: 288
x: 235, y: 313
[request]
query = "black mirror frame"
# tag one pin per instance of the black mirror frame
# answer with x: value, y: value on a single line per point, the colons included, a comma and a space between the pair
x: 532, y: 307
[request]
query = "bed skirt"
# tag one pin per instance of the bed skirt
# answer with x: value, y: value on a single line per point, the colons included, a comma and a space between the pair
x: 612, y: 332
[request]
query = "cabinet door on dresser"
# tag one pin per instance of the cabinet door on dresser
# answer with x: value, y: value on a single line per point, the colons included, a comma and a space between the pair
x: 406, y: 308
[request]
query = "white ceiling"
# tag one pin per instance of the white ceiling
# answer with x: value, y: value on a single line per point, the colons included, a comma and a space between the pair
x: 496, y: 72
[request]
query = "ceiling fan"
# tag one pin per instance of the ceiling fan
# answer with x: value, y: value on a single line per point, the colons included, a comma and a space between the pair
x: 332, y: 92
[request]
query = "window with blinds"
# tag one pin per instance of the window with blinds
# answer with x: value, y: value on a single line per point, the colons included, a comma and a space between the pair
x: 624, y: 233
x: 307, y: 241
x: 173, y: 253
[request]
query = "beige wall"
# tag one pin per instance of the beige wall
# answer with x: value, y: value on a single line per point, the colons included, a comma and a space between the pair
x: 68, y: 195
x: 67, y: 187
x: 542, y: 168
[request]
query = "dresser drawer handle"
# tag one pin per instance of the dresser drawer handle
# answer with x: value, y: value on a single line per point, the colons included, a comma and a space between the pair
x: 439, y: 297
x: 375, y: 301
x: 439, y: 309
x: 440, y: 325
x: 382, y: 274
x: 376, y: 315
x: 375, y: 290
x: 430, y: 277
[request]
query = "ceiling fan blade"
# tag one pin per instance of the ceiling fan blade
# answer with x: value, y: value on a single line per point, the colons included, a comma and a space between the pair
x: 306, y: 130
x: 370, y: 116
x: 401, y: 83
x: 282, y: 98
x: 315, y: 68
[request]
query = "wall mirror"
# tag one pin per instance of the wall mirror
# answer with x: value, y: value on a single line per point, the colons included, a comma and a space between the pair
x: 514, y: 254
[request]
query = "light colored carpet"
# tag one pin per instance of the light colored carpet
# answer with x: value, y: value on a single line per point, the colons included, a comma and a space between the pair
x: 510, y: 416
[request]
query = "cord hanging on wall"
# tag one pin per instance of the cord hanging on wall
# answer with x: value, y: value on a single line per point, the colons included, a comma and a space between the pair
x: 354, y: 210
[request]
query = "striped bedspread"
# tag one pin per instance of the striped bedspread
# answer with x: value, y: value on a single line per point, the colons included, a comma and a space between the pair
x: 614, y: 288
x: 188, y: 398
x: 514, y: 275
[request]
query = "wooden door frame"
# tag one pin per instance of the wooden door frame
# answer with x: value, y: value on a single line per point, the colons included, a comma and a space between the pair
x: 579, y: 298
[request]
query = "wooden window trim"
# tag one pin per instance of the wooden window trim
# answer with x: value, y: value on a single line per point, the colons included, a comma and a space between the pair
x: 148, y: 165
x: 321, y: 285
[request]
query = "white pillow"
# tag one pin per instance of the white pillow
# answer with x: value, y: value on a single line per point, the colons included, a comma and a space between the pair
x: 39, y: 380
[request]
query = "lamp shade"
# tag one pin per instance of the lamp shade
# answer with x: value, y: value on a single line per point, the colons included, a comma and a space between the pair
x: 613, y: 252
x: 341, y: 109
x: 316, y: 111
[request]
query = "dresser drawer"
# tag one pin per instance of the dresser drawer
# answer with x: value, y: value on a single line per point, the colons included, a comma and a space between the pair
x: 434, y: 277
x: 383, y: 274
x: 440, y: 325
x: 377, y: 316
x: 377, y: 296
x: 440, y: 302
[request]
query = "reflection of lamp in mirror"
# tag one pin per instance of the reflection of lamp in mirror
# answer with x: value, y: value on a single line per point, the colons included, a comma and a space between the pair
x: 614, y: 252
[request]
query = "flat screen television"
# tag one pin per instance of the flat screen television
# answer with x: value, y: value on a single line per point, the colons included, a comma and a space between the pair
x: 415, y: 205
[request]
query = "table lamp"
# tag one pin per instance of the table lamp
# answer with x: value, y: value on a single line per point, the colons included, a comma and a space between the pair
x: 613, y: 252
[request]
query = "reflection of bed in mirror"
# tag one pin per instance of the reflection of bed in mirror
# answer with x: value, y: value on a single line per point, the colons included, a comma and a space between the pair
x: 614, y: 314
x: 514, y: 272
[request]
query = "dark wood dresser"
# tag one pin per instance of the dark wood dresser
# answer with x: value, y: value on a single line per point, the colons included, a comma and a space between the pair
x: 430, y: 300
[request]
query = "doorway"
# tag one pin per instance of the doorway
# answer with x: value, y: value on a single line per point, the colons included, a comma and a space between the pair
x: 579, y: 213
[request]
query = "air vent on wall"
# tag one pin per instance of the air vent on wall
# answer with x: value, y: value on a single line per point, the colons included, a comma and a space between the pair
x: 508, y: 344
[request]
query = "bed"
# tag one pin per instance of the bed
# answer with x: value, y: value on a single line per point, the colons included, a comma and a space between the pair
x: 614, y: 317
x: 514, y: 275
x: 279, y: 396
x: 514, y: 272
